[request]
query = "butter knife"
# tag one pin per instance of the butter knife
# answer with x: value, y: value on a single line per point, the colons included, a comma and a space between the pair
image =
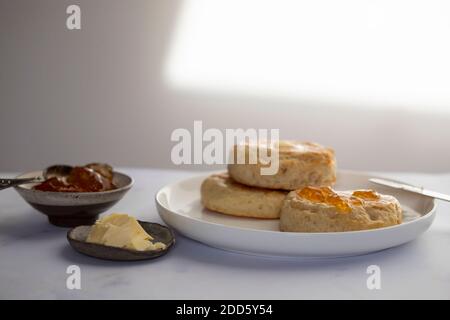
x: 411, y: 188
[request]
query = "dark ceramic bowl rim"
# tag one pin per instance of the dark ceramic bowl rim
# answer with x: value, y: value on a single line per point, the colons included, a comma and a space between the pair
x: 125, y: 187
x: 143, y: 253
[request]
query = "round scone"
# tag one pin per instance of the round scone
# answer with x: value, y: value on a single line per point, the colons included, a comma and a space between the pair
x: 220, y: 193
x: 323, y: 210
x: 300, y: 164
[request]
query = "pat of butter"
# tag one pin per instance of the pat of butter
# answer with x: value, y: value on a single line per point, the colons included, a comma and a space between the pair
x: 122, y: 231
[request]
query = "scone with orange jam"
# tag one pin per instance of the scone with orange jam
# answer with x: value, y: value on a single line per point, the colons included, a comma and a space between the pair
x: 300, y: 164
x: 321, y: 209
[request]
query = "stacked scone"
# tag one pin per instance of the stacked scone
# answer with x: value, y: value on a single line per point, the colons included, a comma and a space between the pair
x: 244, y: 191
x: 298, y: 193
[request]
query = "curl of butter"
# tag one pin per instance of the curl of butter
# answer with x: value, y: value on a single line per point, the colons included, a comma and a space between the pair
x: 122, y: 231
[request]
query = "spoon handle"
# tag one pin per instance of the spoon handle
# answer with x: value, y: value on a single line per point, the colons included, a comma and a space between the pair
x: 6, y: 183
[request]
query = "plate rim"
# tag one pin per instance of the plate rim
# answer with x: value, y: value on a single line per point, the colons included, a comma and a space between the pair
x: 429, y: 215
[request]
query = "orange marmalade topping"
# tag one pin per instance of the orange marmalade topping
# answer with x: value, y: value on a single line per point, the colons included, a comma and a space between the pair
x: 366, y: 194
x: 341, y: 202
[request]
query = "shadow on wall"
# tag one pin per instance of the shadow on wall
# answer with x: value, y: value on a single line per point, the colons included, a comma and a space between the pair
x: 364, y: 139
x: 99, y: 94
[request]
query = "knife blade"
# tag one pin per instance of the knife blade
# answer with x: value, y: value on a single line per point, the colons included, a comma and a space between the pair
x: 411, y: 188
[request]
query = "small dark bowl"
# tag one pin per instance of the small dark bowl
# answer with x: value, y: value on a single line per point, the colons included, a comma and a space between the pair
x: 70, y: 209
x: 78, y: 235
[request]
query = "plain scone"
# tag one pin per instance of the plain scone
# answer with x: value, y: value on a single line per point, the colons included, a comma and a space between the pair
x: 300, y: 164
x: 314, y: 213
x: 220, y: 193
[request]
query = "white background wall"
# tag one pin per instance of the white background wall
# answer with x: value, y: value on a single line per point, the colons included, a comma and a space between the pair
x: 102, y: 94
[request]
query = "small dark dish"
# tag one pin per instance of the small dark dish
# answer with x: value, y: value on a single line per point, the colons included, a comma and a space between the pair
x: 77, y: 239
x: 70, y: 209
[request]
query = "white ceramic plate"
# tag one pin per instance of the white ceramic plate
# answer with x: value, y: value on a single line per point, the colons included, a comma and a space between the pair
x: 179, y: 206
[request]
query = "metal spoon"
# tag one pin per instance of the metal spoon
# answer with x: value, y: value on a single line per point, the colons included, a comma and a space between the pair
x: 56, y: 171
x: 59, y: 170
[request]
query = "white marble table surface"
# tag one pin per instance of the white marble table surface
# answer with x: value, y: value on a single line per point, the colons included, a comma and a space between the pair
x: 34, y: 256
